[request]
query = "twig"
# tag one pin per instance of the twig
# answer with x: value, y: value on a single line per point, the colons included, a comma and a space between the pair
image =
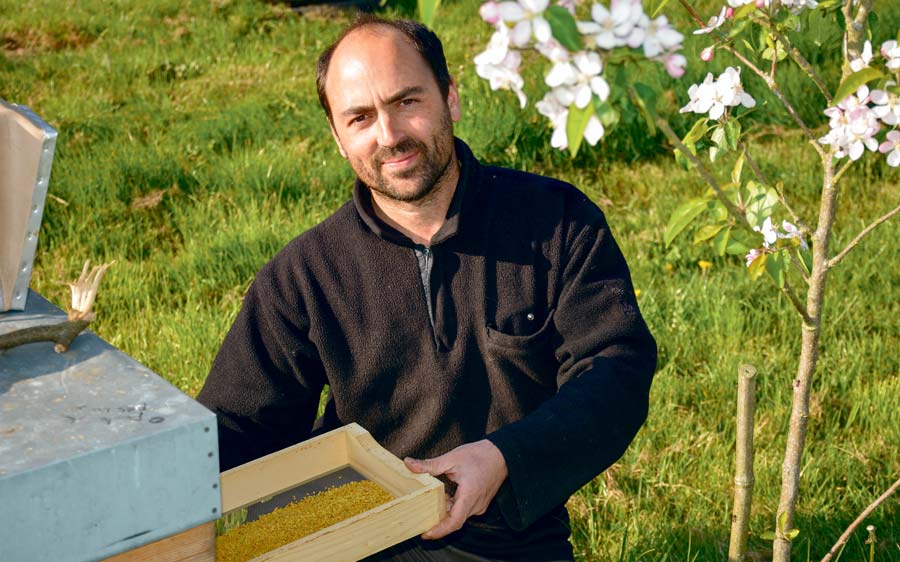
x: 844, y: 168
x: 61, y: 333
x: 837, y: 259
x: 701, y: 169
x: 80, y: 315
x: 693, y: 13
x: 799, y: 267
x: 792, y: 296
x: 798, y: 57
x: 779, y: 94
x: 846, y: 536
x: 801, y: 224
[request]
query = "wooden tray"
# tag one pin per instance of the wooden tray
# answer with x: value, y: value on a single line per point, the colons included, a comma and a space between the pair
x: 418, y: 506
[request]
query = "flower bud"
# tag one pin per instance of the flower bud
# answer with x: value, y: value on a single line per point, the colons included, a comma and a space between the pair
x: 706, y: 54
x: 490, y: 12
x: 761, y: 4
x: 729, y: 13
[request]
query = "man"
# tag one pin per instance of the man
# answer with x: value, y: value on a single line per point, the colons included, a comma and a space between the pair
x: 478, y: 319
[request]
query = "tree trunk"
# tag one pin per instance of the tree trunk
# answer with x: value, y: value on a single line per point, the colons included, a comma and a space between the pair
x: 809, y: 354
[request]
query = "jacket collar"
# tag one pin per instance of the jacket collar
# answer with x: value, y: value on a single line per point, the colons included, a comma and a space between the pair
x: 362, y: 200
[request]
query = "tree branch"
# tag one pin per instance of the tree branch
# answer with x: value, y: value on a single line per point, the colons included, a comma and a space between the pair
x: 779, y: 94
x: 801, y: 224
x: 846, y: 536
x: 844, y: 168
x: 792, y: 296
x: 798, y: 57
x: 854, y: 32
x: 61, y: 333
x: 701, y: 169
x: 837, y: 259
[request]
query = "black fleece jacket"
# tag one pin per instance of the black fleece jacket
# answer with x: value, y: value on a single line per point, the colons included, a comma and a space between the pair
x: 537, y: 344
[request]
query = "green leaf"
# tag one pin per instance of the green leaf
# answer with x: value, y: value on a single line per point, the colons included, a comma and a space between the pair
x: 562, y: 25
x: 645, y: 99
x: 739, y: 25
x: 781, y: 521
x: 776, y: 266
x: 576, y: 124
x: 792, y: 534
x: 713, y: 153
x: 606, y: 113
x: 706, y: 232
x: 682, y: 217
x: 744, y: 11
x: 736, y: 247
x: 732, y: 133
x: 697, y: 132
x: 657, y: 6
x: 757, y: 267
x: 854, y: 81
x: 738, y: 168
x: 718, y: 135
x: 427, y: 10
x: 760, y: 201
x: 768, y: 536
x: 720, y: 242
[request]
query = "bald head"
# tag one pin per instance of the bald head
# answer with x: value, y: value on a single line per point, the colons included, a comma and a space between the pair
x: 423, y: 40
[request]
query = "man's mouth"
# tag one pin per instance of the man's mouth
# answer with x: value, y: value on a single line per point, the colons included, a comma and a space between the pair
x: 400, y: 162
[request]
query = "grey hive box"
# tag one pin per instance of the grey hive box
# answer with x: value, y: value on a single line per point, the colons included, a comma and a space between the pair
x: 26, y: 155
x: 98, y: 455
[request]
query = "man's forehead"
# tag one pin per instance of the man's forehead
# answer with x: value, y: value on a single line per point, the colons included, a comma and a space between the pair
x: 367, y: 52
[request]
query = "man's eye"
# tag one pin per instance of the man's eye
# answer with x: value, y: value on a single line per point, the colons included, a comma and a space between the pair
x: 358, y: 119
x: 408, y: 101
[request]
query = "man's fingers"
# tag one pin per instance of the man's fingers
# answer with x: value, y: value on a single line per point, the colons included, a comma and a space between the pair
x: 459, y: 512
x: 434, y: 467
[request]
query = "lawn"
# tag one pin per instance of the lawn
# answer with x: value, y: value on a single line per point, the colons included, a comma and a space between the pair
x: 192, y: 148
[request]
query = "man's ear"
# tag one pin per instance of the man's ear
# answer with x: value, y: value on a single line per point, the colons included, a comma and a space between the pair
x: 453, y: 101
x: 337, y: 139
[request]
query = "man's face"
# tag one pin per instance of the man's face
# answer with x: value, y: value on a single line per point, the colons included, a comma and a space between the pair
x: 389, y: 118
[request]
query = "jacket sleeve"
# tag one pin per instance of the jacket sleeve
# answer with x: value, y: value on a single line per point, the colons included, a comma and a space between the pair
x: 265, y: 382
x: 607, y: 358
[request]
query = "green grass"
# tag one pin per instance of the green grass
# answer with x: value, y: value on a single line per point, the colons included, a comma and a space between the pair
x: 192, y: 148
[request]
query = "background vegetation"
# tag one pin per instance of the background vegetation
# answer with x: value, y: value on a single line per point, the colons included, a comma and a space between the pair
x: 192, y: 148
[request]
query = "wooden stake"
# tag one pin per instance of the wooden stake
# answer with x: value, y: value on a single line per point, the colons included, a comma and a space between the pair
x: 743, y: 471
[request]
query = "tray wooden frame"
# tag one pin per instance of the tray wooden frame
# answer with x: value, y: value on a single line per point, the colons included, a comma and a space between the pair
x: 419, y: 503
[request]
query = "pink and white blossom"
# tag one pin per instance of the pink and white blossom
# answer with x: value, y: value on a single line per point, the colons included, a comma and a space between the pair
x: 555, y: 106
x: 853, y: 125
x: 738, y: 3
x: 887, y: 106
x: 791, y: 231
x: 490, y: 12
x: 660, y: 37
x: 674, y: 64
x: 891, y: 53
x: 500, y: 66
x: 581, y: 76
x: 527, y: 15
x: 613, y: 27
x: 714, y: 23
x: 864, y: 58
x: 770, y: 235
x: 714, y: 96
x: 752, y: 255
x: 891, y: 147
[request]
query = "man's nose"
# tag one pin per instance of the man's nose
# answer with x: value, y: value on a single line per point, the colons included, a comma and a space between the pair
x: 389, y: 130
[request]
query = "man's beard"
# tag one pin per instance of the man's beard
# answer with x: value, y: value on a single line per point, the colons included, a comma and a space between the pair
x: 434, y: 159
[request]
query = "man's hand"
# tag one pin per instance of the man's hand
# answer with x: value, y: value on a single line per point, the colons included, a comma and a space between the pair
x: 478, y: 469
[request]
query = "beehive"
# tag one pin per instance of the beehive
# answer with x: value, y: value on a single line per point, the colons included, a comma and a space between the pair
x: 98, y: 455
x: 26, y: 155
